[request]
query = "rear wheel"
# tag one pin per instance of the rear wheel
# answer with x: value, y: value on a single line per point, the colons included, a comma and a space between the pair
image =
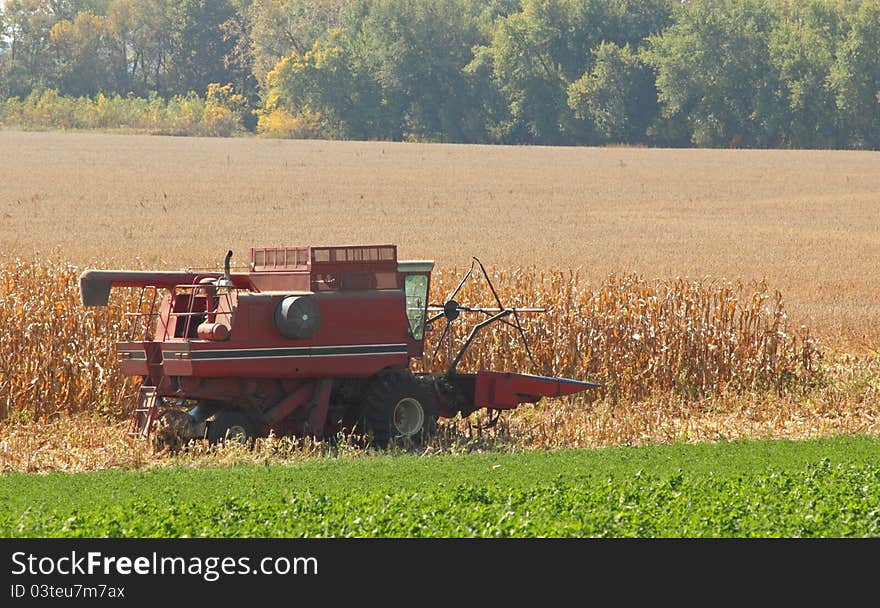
x: 399, y: 408
x: 231, y: 425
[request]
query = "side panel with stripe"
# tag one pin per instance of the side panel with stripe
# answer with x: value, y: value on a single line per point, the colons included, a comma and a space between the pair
x: 297, y: 352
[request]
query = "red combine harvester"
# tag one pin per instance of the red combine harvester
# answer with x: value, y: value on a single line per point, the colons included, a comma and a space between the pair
x: 308, y: 341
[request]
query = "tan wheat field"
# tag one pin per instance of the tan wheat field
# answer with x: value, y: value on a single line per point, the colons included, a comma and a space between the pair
x: 807, y: 221
x: 713, y: 294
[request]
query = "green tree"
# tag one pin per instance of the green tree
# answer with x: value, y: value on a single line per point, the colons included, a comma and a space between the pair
x: 535, y: 54
x: 84, y: 55
x: 26, y: 26
x: 327, y: 86
x: 538, y: 52
x: 240, y: 56
x: 4, y: 56
x: 199, y: 48
x: 715, y: 74
x: 856, y: 77
x: 618, y: 96
x: 143, y: 33
x: 393, y: 70
x: 416, y: 51
x: 802, y: 50
x: 277, y: 27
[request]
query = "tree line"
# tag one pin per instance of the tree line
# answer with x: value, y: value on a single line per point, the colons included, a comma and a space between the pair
x: 742, y: 73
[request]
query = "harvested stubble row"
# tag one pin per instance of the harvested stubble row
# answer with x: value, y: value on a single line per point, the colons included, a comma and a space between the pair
x: 637, y: 338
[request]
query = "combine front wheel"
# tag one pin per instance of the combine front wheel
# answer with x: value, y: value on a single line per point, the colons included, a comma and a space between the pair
x: 399, y: 407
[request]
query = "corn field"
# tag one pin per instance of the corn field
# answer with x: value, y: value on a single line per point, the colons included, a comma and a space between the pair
x: 636, y: 338
x: 56, y: 357
x: 677, y: 360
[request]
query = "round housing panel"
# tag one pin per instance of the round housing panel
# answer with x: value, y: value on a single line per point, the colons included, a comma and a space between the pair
x: 297, y: 317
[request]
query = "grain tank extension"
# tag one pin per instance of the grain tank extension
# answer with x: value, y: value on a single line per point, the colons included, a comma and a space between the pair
x: 307, y: 341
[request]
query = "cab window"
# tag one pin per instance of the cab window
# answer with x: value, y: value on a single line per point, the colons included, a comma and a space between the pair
x: 416, y: 290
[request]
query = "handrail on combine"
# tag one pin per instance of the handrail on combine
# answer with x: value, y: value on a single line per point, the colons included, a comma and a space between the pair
x: 140, y: 314
x: 149, y: 315
x: 212, y: 308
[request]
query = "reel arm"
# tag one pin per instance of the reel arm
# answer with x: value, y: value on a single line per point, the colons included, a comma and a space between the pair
x: 451, y: 310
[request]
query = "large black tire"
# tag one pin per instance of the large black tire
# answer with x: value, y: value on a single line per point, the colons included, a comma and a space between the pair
x: 398, y: 408
x: 233, y: 426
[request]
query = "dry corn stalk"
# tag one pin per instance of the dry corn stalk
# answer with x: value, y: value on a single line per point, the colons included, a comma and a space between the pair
x: 55, y: 355
x: 637, y: 338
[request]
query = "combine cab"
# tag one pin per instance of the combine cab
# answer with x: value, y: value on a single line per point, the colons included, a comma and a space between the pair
x: 308, y: 341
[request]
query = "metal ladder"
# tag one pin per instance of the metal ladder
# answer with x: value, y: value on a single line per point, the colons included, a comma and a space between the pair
x: 144, y: 413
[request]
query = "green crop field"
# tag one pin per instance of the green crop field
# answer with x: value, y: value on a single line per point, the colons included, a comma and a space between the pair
x: 820, y: 488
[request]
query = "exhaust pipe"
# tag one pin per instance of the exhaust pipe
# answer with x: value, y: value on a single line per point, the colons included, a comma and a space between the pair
x: 226, y: 281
